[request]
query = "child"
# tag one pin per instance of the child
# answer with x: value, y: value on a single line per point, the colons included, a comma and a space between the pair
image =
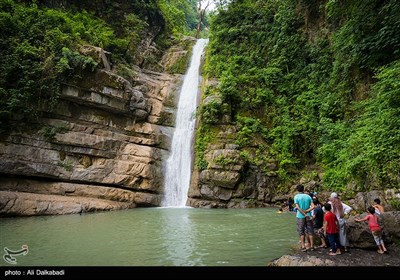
x: 378, y: 207
x: 331, y: 230
x: 318, y: 217
x: 375, y: 229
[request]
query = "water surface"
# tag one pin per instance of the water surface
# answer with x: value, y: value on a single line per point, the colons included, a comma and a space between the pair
x: 152, y: 237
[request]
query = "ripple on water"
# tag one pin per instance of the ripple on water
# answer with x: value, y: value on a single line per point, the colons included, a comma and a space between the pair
x: 153, y: 236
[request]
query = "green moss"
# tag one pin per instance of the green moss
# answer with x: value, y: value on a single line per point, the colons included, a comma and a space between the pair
x: 127, y: 72
x: 224, y: 160
x: 394, y: 203
x: 180, y: 66
x: 205, y: 135
x: 184, y: 45
x: 50, y: 132
x: 67, y: 165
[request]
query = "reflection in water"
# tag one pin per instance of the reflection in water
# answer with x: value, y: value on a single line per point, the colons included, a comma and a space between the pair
x: 153, y: 237
x: 179, y: 237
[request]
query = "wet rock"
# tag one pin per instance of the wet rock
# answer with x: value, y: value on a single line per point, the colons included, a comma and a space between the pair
x: 213, y: 192
x: 29, y: 204
x: 288, y: 260
x: 224, y: 179
x: 202, y: 203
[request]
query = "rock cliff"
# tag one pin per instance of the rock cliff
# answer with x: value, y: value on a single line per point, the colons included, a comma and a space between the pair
x: 226, y: 179
x: 222, y: 183
x: 101, y: 149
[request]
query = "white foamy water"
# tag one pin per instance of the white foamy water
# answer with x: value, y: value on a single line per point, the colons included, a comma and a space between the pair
x: 179, y: 163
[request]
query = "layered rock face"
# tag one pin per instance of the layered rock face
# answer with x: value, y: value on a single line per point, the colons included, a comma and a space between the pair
x: 227, y: 182
x: 101, y: 149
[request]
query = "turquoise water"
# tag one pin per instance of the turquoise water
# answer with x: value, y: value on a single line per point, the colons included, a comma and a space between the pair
x: 152, y: 237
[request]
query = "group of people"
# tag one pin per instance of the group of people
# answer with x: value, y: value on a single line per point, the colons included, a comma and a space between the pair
x: 328, y: 222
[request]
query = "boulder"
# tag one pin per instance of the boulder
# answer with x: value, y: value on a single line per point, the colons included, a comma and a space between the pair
x: 29, y: 204
x: 224, y: 179
x: 288, y: 260
x: 98, y: 54
x: 360, y: 236
x: 387, y: 197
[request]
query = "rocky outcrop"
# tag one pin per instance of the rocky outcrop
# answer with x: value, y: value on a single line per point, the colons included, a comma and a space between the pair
x: 389, y: 198
x: 30, y: 204
x: 360, y: 235
x: 356, y: 257
x: 176, y: 59
x: 100, y: 56
x: 222, y: 184
x: 288, y: 260
x: 104, y: 143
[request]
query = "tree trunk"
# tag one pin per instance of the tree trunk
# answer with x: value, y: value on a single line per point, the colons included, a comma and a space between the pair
x: 201, y: 12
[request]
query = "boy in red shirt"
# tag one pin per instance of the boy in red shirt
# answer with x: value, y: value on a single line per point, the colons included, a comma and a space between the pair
x: 375, y: 229
x: 331, y: 230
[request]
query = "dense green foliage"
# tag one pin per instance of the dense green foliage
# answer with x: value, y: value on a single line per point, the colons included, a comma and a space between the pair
x: 307, y: 83
x: 40, y: 44
x: 311, y: 83
x: 38, y: 48
x: 181, y: 15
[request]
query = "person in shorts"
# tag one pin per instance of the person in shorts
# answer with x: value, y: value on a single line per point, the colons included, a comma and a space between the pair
x: 305, y: 226
x: 318, y: 220
x: 376, y: 230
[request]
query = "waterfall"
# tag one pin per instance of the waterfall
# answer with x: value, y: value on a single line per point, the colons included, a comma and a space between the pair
x: 179, y: 163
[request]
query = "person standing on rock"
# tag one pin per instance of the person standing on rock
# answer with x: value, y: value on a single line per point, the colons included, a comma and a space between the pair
x: 340, y: 210
x: 331, y: 230
x: 304, y: 205
x: 378, y: 207
x: 318, y: 220
x: 376, y: 230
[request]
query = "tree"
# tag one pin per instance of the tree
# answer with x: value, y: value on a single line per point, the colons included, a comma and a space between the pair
x: 201, y: 12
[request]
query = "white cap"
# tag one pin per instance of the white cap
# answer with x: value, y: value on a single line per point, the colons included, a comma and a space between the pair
x: 334, y: 195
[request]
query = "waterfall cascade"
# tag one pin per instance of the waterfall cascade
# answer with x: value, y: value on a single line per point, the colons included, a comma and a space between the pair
x: 179, y: 163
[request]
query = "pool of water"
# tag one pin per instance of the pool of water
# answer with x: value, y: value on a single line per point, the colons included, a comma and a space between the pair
x: 152, y: 237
